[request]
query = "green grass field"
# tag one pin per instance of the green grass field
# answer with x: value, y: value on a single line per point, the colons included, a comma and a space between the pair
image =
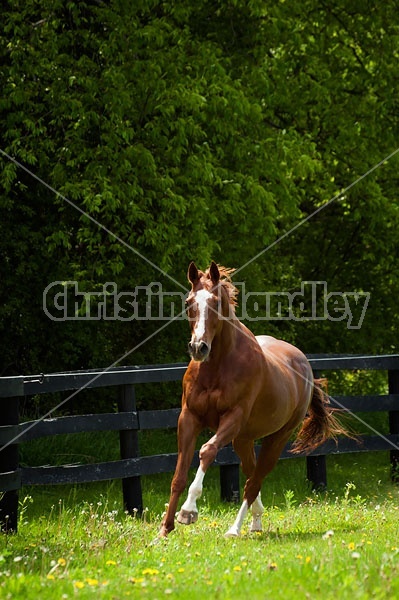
x: 77, y: 542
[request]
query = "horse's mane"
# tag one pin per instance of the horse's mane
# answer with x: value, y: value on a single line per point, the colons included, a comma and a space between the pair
x: 225, y: 280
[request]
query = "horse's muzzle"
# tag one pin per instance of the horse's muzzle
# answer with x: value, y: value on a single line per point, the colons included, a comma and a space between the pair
x: 199, y: 350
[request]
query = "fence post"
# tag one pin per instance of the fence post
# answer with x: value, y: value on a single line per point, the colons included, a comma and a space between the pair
x: 230, y: 483
x: 9, y: 415
x: 129, y: 445
x: 316, y: 471
x: 393, y: 387
x: 316, y: 466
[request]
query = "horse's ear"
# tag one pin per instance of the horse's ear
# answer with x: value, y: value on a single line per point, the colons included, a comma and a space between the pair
x: 214, y: 273
x: 192, y: 273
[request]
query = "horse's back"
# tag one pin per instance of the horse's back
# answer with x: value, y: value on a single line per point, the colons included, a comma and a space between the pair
x: 285, y: 355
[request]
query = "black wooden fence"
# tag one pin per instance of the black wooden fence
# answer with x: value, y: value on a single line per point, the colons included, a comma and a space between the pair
x: 128, y: 421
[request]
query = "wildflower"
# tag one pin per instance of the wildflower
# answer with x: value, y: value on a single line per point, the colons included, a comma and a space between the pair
x: 50, y: 576
x: 307, y: 560
x: 351, y: 546
x: 237, y: 568
x: 92, y: 582
x: 328, y: 534
x: 181, y: 570
x: 79, y: 585
x: 149, y: 571
x: 272, y: 566
x: 110, y: 562
x: 61, y: 562
x: 136, y: 579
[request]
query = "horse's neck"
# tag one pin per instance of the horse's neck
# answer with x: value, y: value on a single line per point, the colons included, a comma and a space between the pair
x: 225, y: 341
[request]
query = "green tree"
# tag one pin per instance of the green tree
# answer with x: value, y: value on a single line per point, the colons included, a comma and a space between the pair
x: 191, y: 130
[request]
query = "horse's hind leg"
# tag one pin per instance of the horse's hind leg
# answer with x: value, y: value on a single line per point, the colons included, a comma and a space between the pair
x: 271, y: 449
x: 257, y: 509
x: 245, y: 450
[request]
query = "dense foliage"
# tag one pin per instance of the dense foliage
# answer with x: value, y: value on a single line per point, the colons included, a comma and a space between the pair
x: 194, y: 130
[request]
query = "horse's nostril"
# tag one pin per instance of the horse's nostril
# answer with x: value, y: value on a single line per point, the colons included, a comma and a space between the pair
x: 203, y: 348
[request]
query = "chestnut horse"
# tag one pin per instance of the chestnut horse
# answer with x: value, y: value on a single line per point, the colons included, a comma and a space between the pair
x: 243, y: 388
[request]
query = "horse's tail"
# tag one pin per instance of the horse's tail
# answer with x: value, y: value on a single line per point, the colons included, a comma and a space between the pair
x: 320, y: 424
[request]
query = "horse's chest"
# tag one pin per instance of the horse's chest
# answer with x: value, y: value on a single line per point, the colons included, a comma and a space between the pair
x: 206, y: 402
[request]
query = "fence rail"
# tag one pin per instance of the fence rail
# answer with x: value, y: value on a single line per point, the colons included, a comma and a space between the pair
x: 128, y: 421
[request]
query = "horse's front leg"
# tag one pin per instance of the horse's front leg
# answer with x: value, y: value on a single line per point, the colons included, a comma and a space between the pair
x: 189, y: 512
x: 227, y: 428
x: 187, y: 431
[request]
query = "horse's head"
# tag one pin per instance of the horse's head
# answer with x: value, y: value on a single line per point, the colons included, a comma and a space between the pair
x: 206, y: 305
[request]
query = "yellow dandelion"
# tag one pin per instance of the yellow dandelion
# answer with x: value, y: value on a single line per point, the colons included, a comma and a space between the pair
x: 351, y: 546
x: 181, y: 570
x: 237, y: 568
x: 272, y: 566
x: 307, y: 560
x: 92, y: 582
x: 299, y: 556
x: 110, y: 562
x: 79, y: 585
x: 50, y: 576
x: 136, y: 579
x: 209, y: 582
x: 61, y: 562
x: 149, y: 571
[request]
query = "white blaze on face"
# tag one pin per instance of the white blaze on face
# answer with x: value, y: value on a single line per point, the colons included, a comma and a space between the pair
x: 201, y: 298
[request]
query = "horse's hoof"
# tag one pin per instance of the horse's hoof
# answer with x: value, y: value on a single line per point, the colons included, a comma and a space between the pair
x: 157, y: 540
x: 231, y: 533
x: 187, y: 517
